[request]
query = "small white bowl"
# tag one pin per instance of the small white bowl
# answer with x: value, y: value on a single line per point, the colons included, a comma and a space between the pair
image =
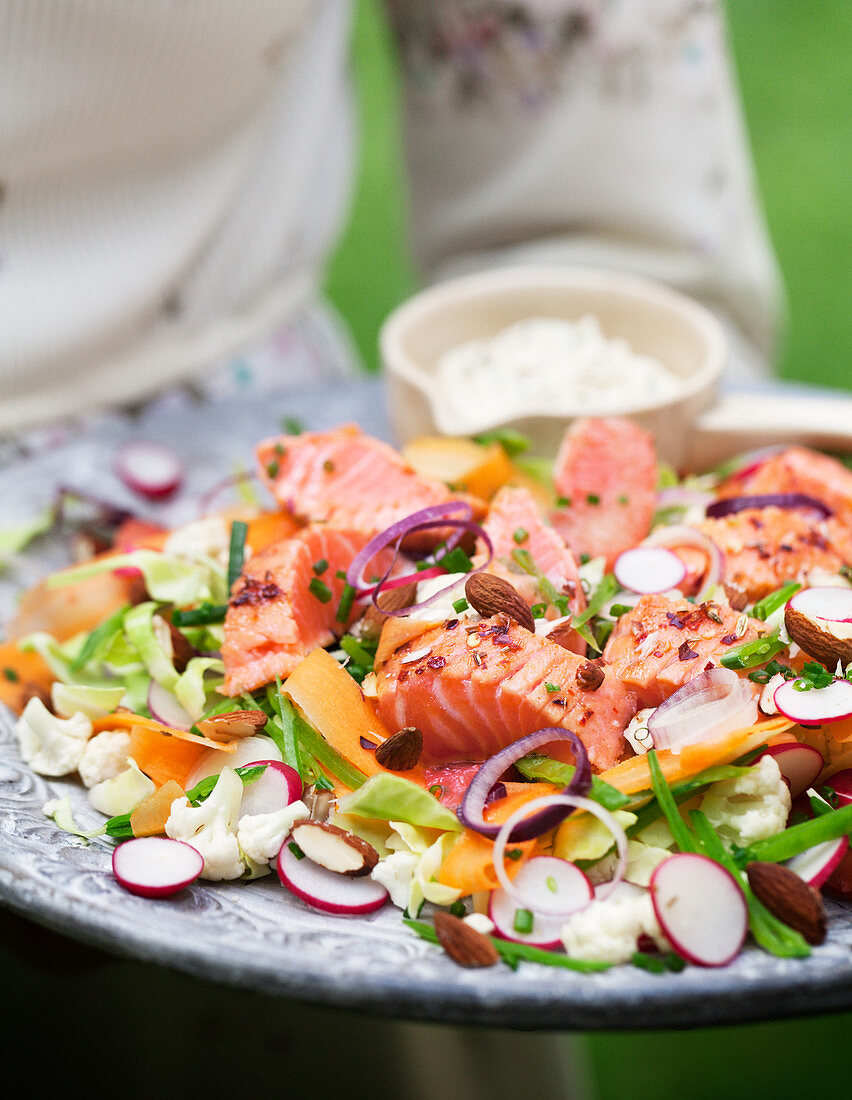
x: 653, y: 319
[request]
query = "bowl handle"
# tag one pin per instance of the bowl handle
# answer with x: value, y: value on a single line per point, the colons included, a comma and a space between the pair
x: 740, y: 422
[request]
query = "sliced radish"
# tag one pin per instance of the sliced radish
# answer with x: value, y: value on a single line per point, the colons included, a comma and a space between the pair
x: 700, y: 907
x: 553, y: 889
x: 149, y: 469
x: 648, y: 569
x: 250, y: 750
x: 279, y: 786
x: 327, y: 890
x: 799, y: 764
x: 165, y: 708
x: 816, y: 705
x: 816, y: 864
x: 156, y: 866
x: 841, y: 784
x: 834, y: 605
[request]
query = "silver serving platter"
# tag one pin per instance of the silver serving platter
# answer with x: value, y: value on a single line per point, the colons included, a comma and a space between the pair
x: 256, y: 935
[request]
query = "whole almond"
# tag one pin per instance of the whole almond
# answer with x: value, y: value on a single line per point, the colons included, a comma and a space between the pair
x: 464, y: 944
x: 335, y: 849
x: 490, y: 595
x: 236, y: 723
x: 401, y: 752
x: 392, y: 599
x: 589, y: 676
x: 789, y: 898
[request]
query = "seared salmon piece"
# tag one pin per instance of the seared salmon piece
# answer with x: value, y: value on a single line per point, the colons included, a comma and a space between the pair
x: 347, y: 479
x: 472, y: 689
x: 797, y: 470
x: 764, y: 547
x: 515, y: 522
x: 284, y: 605
x: 606, y: 480
x: 661, y: 644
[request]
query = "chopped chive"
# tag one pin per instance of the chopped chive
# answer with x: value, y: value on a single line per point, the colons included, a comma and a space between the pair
x: 458, y: 908
x: 455, y: 561
x: 272, y: 468
x: 512, y: 442
x: 319, y: 589
x: 523, y: 921
x: 328, y: 466
x: 11, y: 675
x: 552, y: 884
x: 320, y: 566
x: 539, y: 610
x: 585, y: 559
x: 296, y: 850
x: 460, y: 605
x: 436, y: 790
x: 237, y: 551
x: 520, y: 535
x: 551, y: 688
x: 514, y: 853
x: 280, y: 450
x: 592, y: 498
x: 292, y: 425
x: 347, y: 598
x: 203, y: 615
x: 623, y: 499
x: 563, y: 502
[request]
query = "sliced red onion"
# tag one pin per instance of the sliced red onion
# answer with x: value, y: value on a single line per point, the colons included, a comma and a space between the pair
x: 729, y: 506
x: 714, y: 703
x: 150, y: 469
x: 165, y: 708
x: 367, y: 744
x: 474, y: 801
x: 679, y: 534
x: 647, y: 569
x: 206, y: 502
x: 435, y: 517
x: 555, y: 805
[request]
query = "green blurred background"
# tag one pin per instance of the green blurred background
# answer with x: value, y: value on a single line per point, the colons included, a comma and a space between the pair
x: 793, y: 63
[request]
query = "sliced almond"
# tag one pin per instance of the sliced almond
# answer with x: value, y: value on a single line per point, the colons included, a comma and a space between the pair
x: 392, y: 599
x: 236, y: 723
x: 335, y: 849
x: 491, y: 595
x: 816, y: 638
x: 789, y: 898
x: 463, y: 943
x: 401, y: 752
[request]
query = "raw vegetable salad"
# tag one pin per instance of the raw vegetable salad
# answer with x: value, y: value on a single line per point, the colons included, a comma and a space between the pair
x: 580, y: 714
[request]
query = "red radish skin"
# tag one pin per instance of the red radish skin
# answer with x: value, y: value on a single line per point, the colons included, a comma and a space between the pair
x: 841, y: 784
x: 701, y: 909
x: 560, y: 887
x: 818, y: 705
x: 156, y: 866
x: 832, y: 605
x: 649, y: 569
x: 816, y: 865
x: 327, y: 890
x: 149, y: 469
x: 800, y: 765
x: 839, y: 882
x: 278, y: 787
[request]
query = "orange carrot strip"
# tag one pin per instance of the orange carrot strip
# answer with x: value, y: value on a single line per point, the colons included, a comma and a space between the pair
x: 126, y: 719
x: 269, y: 527
x: 22, y: 675
x: 469, y: 867
x: 631, y: 776
x: 163, y: 757
x: 150, y: 816
x: 332, y: 702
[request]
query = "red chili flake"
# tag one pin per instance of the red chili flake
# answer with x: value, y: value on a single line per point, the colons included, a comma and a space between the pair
x: 436, y: 662
x: 402, y: 675
x: 675, y: 620
x: 559, y: 701
x: 729, y: 639
x: 451, y: 624
x: 255, y: 591
x: 686, y: 652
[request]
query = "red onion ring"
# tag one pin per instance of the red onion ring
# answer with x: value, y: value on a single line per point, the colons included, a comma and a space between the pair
x: 712, y: 704
x: 562, y: 804
x: 436, y: 516
x: 729, y: 506
x: 206, y: 501
x: 476, y: 795
x: 679, y: 534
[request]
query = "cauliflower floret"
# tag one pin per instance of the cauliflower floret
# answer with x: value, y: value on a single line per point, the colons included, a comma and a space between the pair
x: 410, y: 874
x: 480, y: 922
x: 123, y: 792
x: 104, y: 756
x: 211, y: 827
x: 751, y: 807
x: 260, y: 836
x: 200, y: 541
x: 51, y: 746
x: 396, y: 873
x: 608, y: 930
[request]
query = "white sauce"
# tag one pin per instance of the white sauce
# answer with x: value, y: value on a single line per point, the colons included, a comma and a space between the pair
x: 550, y: 365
